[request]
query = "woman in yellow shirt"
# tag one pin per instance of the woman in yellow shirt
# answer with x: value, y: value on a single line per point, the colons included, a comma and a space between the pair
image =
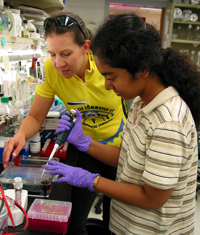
x: 72, y: 75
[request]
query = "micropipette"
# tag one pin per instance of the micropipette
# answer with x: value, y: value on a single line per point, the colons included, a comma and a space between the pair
x: 62, y: 137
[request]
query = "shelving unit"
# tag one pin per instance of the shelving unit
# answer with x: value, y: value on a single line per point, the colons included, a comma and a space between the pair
x: 21, y: 40
x: 19, y: 47
x: 183, y: 43
x: 24, y: 50
x: 46, y: 5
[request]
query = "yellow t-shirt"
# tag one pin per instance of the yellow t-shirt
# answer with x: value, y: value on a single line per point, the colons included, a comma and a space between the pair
x: 104, y: 113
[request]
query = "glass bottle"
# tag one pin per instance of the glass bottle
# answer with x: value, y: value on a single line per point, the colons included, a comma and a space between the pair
x: 189, y: 32
x: 174, y: 32
x: 187, y: 52
x: 198, y: 59
x: 180, y: 32
x: 186, y: 15
x: 197, y: 33
x: 25, y: 32
x: 186, y: 1
x: 193, y: 55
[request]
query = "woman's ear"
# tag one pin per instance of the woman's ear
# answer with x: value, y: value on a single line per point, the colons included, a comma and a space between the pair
x: 86, y: 46
x: 144, y: 74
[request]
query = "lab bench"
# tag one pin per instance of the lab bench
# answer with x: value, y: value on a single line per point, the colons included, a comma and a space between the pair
x: 59, y: 192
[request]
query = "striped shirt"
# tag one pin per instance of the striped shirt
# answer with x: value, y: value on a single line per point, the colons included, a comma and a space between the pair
x: 159, y: 148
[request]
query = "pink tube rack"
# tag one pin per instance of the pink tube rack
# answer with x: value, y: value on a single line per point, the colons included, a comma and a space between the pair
x: 49, y: 215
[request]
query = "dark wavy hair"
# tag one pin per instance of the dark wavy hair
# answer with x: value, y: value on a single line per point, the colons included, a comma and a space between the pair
x: 126, y: 42
x: 78, y: 35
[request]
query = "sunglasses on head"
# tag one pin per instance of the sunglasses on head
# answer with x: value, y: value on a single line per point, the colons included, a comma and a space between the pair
x: 62, y: 20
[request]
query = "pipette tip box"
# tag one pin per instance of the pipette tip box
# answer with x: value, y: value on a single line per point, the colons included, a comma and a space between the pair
x: 49, y: 215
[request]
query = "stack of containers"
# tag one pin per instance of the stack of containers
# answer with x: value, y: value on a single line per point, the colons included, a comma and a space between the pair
x: 8, y: 118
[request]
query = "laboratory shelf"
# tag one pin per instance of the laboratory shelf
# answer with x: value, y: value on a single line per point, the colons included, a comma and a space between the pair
x: 183, y: 5
x: 46, y: 5
x: 186, y: 22
x: 196, y: 43
x: 21, y: 40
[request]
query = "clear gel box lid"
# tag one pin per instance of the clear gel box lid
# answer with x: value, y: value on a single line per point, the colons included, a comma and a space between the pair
x: 30, y: 170
x: 44, y: 209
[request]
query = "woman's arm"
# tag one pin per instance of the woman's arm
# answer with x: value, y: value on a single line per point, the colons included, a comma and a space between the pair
x: 146, y: 197
x: 38, y: 111
x: 30, y: 126
x: 105, y: 153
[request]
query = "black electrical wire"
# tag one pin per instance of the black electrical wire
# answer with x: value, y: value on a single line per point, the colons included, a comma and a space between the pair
x: 2, y: 202
x: 13, y: 231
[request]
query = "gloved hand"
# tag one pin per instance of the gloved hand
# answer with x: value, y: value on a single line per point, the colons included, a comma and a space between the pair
x: 76, y: 136
x: 75, y: 176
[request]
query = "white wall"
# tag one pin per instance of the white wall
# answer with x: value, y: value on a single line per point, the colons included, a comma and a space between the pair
x: 92, y: 12
x: 151, y: 15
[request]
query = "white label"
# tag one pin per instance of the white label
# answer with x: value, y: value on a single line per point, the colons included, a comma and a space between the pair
x: 35, y: 146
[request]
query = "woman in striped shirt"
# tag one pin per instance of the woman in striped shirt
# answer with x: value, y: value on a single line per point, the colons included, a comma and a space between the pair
x: 155, y: 186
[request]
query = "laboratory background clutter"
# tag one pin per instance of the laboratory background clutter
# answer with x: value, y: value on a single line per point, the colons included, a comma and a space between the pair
x: 23, y: 52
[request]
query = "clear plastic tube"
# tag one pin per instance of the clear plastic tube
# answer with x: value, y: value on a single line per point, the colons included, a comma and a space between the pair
x: 18, y: 185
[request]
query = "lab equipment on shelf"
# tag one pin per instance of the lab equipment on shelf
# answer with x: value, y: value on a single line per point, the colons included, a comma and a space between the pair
x: 8, y: 117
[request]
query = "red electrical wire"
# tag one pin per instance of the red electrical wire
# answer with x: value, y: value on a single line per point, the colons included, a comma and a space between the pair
x: 26, y: 225
x: 8, y: 208
x: 9, y: 212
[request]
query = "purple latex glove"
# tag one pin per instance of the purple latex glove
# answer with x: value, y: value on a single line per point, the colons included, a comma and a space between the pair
x: 76, y: 136
x: 75, y: 176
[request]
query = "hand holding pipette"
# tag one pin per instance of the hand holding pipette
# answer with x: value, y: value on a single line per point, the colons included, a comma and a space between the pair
x: 76, y: 137
x: 64, y: 133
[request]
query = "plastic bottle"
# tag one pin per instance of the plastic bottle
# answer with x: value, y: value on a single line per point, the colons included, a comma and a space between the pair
x: 18, y: 185
x: 11, y: 102
x: 35, y: 143
x: 6, y: 108
x: 20, y: 112
x: 25, y: 32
